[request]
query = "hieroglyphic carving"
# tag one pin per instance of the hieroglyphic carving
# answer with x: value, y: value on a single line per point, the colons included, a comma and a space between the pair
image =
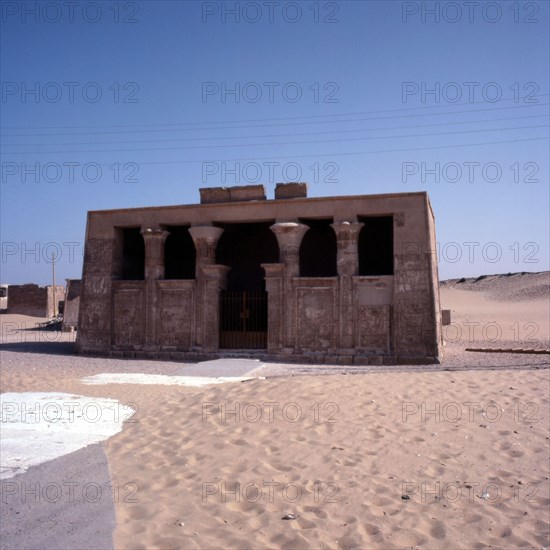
x: 316, y: 317
x: 95, y: 303
x: 175, y: 317
x: 129, y: 314
x: 373, y: 327
x: 276, y: 309
x: 95, y: 326
x: 98, y: 254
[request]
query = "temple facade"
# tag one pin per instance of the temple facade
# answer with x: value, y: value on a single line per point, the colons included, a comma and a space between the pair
x: 338, y: 280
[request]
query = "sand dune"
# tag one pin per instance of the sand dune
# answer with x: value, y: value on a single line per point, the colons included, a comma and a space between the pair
x: 506, y: 287
x: 346, y: 449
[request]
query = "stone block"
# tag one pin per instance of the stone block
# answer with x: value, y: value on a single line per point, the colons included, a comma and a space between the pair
x: 247, y: 193
x: 294, y: 190
x: 211, y: 195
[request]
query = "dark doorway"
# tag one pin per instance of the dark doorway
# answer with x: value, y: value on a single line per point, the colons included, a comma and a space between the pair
x: 243, y: 306
x: 179, y: 254
x: 133, y: 254
x: 244, y: 247
x: 318, y: 250
x: 376, y: 246
x: 243, y: 319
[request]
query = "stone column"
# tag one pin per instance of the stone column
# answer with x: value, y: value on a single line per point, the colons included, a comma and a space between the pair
x: 347, y: 259
x: 154, y: 239
x: 289, y: 236
x: 214, y: 279
x: 274, y: 280
x: 206, y: 239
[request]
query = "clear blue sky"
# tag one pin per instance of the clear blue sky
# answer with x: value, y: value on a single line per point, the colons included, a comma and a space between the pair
x: 164, y: 121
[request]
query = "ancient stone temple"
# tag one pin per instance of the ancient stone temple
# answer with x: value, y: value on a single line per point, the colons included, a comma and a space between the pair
x: 335, y: 280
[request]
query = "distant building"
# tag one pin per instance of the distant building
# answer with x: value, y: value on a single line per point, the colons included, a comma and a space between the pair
x: 34, y: 300
x: 332, y: 279
x: 3, y: 298
x: 72, y: 304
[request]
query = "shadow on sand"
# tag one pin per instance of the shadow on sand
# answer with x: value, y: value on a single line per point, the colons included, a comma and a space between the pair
x: 40, y: 346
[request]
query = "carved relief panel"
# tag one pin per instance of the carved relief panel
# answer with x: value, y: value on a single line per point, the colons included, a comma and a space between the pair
x: 373, y: 327
x: 176, y: 315
x: 128, y: 314
x: 316, y: 316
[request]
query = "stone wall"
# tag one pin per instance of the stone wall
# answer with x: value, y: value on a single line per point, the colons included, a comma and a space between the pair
x: 34, y: 300
x: 72, y: 304
x: 94, y: 318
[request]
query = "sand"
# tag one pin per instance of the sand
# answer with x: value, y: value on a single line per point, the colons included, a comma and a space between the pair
x: 466, y: 441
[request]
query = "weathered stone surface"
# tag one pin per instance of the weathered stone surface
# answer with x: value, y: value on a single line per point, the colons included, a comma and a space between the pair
x: 317, y: 313
x: 212, y: 195
x: 94, y: 319
x: 129, y: 325
x: 176, y: 314
x: 294, y: 190
x: 247, y: 193
x: 72, y: 304
x: 373, y: 328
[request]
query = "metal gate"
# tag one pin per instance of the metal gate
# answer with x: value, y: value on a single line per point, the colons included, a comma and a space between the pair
x: 243, y: 319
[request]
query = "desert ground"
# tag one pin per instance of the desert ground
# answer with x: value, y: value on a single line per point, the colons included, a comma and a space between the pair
x: 444, y: 456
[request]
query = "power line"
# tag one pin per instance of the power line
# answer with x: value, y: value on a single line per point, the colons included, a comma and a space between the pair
x: 272, y: 125
x: 141, y: 149
x: 323, y: 155
x: 351, y: 153
x: 358, y: 113
x: 278, y: 135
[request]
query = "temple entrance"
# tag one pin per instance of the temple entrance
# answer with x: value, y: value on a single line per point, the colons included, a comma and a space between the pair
x: 243, y: 319
x: 243, y: 305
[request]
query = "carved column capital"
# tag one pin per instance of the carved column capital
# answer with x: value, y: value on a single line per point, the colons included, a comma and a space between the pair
x: 206, y: 239
x: 289, y: 236
x: 347, y: 237
x: 215, y: 272
x: 347, y: 231
x: 273, y: 270
x: 154, y: 239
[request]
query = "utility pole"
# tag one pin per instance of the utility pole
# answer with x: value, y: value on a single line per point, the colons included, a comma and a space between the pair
x: 53, y: 287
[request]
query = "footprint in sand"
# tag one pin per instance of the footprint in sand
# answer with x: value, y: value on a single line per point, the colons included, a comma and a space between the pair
x: 515, y: 453
x: 472, y: 518
x: 438, y: 530
x: 240, y: 442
